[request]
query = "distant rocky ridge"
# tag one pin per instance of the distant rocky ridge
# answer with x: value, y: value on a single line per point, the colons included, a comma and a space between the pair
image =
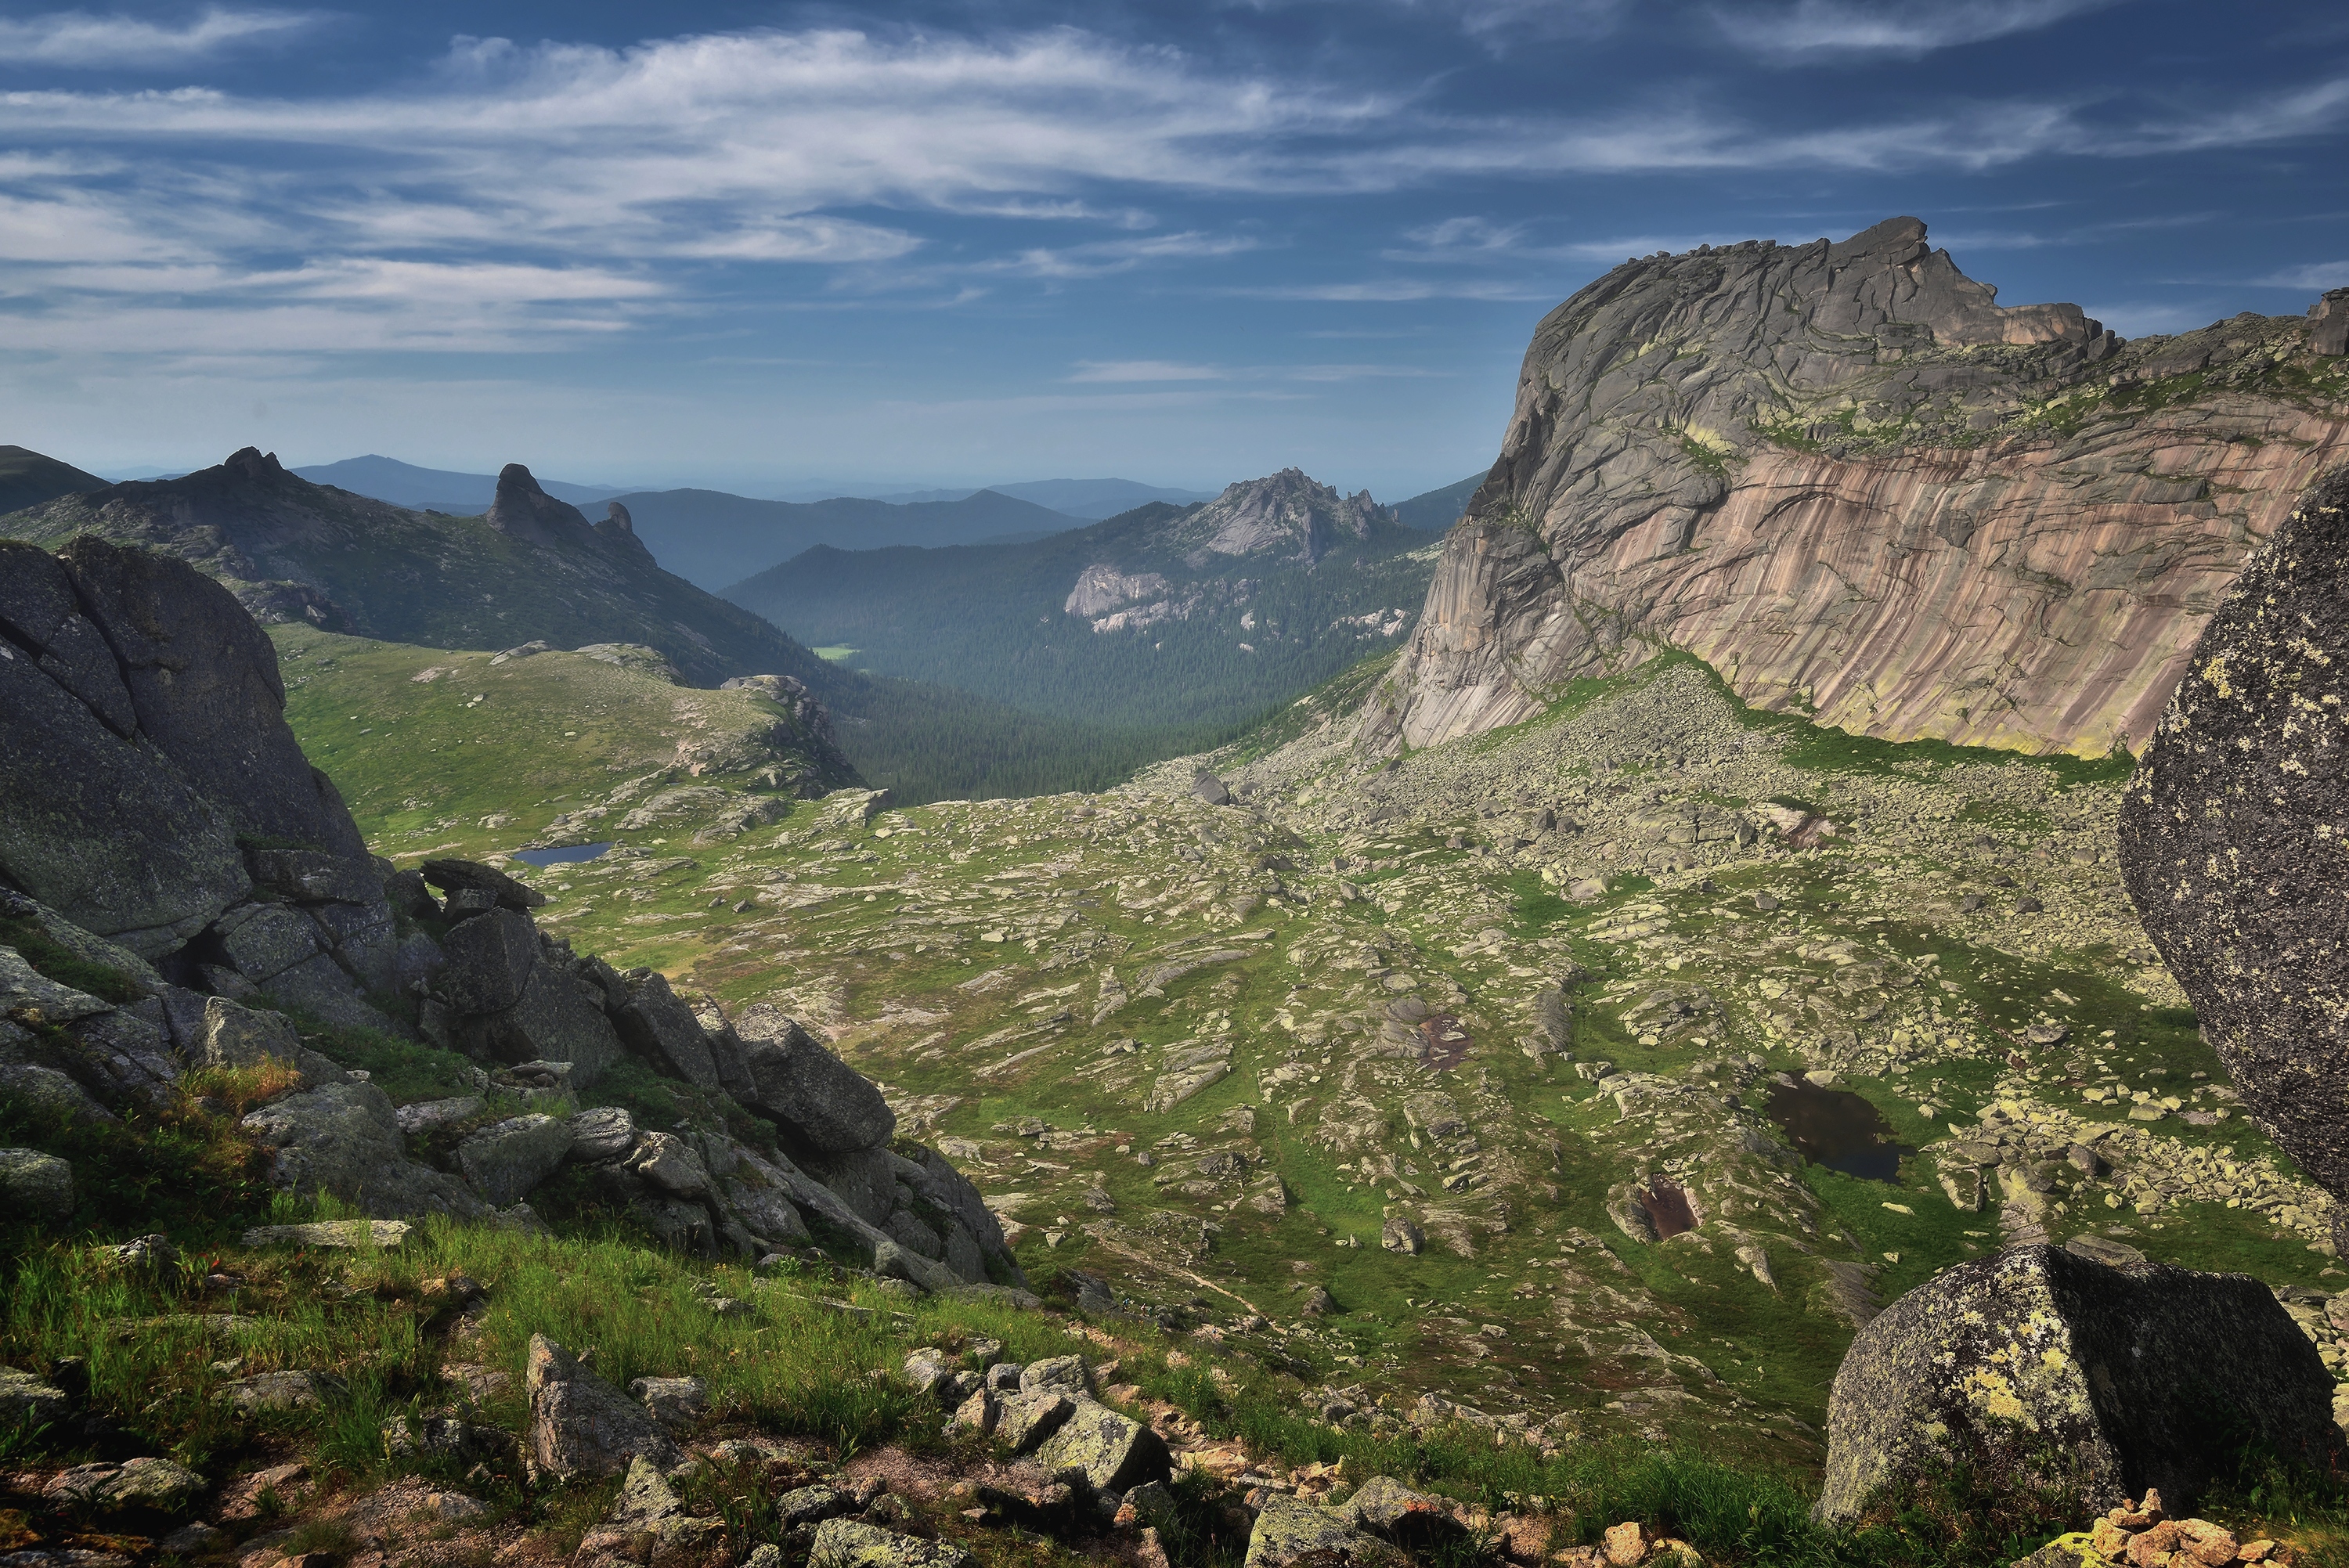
x: 1860, y: 488
x: 164, y: 829
x: 533, y: 568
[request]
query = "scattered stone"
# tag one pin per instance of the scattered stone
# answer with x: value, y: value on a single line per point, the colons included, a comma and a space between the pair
x: 1024, y: 1420
x: 1289, y: 1530
x: 268, y: 1391
x: 1114, y: 1450
x: 678, y: 1404
x: 37, y: 1185
x: 384, y: 1234
x: 506, y: 1161
x: 26, y: 1399
x: 847, y: 1543
x: 1061, y: 1373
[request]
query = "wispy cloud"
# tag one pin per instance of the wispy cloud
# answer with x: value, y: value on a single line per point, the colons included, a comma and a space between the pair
x: 1145, y: 370
x: 1163, y: 370
x: 80, y: 40
x: 1908, y: 29
x: 2319, y: 275
x: 1106, y: 256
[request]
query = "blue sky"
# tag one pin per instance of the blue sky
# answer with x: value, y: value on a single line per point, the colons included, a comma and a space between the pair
x: 749, y: 245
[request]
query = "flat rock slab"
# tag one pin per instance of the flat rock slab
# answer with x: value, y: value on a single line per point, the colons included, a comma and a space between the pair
x: 384, y: 1234
x: 1115, y: 1451
x: 1288, y: 1530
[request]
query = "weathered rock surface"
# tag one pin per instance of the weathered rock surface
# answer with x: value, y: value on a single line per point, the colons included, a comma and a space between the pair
x: 1115, y: 1451
x: 581, y: 1425
x: 2040, y: 1363
x: 1828, y: 469
x: 850, y: 1543
x: 1288, y: 1530
x: 2232, y: 823
x: 506, y: 1161
x: 36, y: 1184
x: 344, y: 1139
x: 815, y: 1096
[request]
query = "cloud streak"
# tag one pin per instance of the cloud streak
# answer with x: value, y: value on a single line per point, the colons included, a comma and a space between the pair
x: 77, y: 39
x: 1812, y: 30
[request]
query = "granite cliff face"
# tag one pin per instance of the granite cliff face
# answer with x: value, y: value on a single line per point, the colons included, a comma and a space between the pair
x: 1859, y: 487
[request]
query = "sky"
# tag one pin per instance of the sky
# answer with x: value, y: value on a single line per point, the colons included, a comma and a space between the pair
x: 758, y: 246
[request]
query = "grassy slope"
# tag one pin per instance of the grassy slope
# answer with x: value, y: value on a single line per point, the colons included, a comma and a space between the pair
x: 991, y: 619
x: 28, y: 479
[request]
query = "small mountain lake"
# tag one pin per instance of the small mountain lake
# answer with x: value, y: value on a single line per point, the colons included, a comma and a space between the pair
x: 1836, y: 1129
x: 564, y: 856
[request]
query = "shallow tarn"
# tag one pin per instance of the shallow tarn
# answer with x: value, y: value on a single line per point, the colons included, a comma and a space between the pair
x: 1836, y: 1129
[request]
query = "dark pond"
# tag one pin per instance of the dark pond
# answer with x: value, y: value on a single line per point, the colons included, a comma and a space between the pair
x: 1669, y: 1207
x: 562, y: 856
x: 1838, y: 1128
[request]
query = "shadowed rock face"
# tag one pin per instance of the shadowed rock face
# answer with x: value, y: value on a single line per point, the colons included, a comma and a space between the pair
x: 2232, y: 833
x: 1796, y: 462
x: 526, y: 512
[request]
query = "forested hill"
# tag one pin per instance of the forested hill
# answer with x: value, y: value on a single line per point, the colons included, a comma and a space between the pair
x: 1163, y: 615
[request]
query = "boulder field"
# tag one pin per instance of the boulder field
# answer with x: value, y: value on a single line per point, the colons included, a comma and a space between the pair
x: 167, y: 839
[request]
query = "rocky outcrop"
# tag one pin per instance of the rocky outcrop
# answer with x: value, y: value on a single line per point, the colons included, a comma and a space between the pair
x: 160, y: 809
x: 2040, y: 1367
x: 1286, y: 516
x: 582, y: 1426
x: 1860, y: 490
x: 2231, y: 830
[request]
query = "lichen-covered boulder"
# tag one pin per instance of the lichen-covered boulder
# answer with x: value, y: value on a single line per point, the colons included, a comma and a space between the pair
x: 25, y: 1399
x: 1288, y: 1530
x: 1024, y: 1421
x: 581, y: 1425
x: 1062, y: 1373
x: 147, y: 1486
x: 1115, y: 1451
x: 1410, y: 1518
x: 849, y: 1544
x: 2039, y: 1368
x: 2231, y: 834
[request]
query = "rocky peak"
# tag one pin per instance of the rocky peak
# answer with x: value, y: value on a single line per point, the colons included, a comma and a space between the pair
x: 251, y: 463
x: 1821, y: 467
x: 619, y: 529
x: 525, y: 511
x: 1287, y: 515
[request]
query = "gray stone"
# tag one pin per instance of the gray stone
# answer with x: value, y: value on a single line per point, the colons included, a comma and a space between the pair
x: 848, y: 1543
x: 344, y: 1139
x: 280, y: 1391
x: 430, y: 1115
x: 606, y: 1133
x: 655, y: 1025
x: 581, y: 1425
x: 49, y: 1093
x: 1065, y: 1373
x: 37, y: 1185
x: 1114, y: 1451
x: 678, y: 1404
x: 1408, y: 1518
x: 490, y: 959
x: 815, y: 1097
x: 1024, y: 1420
x: 1400, y: 1235
x: 24, y: 1398
x: 812, y: 1505
x: 554, y: 1021
x: 472, y: 876
x: 447, y: 1437
x: 2037, y: 1366
x: 263, y: 941
x: 352, y: 1234
x: 1288, y: 1530
x: 2228, y: 834
x: 506, y: 1161
x: 670, y: 1163
x: 1211, y: 789
x: 146, y: 1486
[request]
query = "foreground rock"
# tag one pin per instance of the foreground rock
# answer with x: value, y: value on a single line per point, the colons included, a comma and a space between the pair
x: 1289, y: 1531
x: 2040, y: 1367
x: 849, y: 1544
x: 2232, y: 826
x: 582, y: 1426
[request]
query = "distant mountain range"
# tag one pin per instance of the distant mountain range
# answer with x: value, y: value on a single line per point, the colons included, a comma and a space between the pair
x: 1163, y: 615
x: 712, y: 539
x: 1091, y: 499
x: 438, y: 489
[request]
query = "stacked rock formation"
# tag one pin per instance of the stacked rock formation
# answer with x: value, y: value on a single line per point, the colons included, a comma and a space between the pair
x: 165, y: 831
x: 1859, y: 487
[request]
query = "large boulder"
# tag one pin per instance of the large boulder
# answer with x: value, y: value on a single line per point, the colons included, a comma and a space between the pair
x: 582, y: 1426
x: 851, y: 1543
x: 344, y: 1139
x: 821, y: 1102
x: 1115, y: 1451
x: 660, y: 1029
x: 1288, y: 1530
x: 2038, y: 1368
x: 101, y: 825
x: 2232, y: 826
x: 454, y: 876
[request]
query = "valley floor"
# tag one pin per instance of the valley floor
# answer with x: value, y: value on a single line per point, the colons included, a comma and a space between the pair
x: 1484, y: 1080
